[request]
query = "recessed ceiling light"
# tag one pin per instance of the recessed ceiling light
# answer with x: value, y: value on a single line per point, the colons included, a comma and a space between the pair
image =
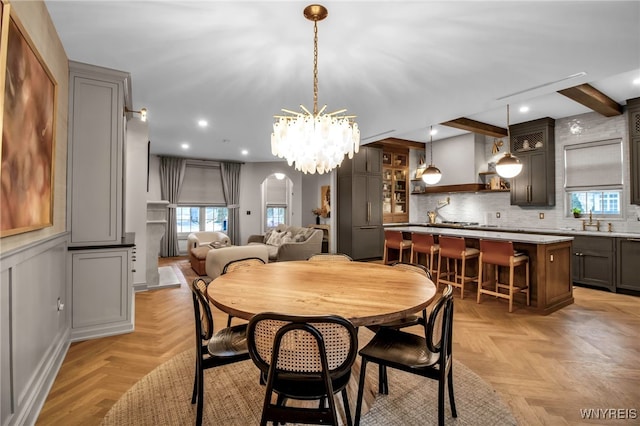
x: 184, y: 145
x: 244, y: 152
x: 203, y: 123
x: 524, y: 109
x: 637, y: 81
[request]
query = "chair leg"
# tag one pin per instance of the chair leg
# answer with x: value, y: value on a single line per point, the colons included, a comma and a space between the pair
x: 441, y: 400
x: 229, y: 321
x: 363, y: 369
x: 195, y: 386
x: 347, y: 409
x: 511, y: 288
x: 383, y: 386
x: 200, y: 397
x: 479, y: 279
x: 452, y: 400
x: 384, y: 254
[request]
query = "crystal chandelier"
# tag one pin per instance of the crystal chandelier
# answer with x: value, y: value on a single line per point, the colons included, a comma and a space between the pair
x: 509, y: 165
x: 318, y: 141
x: 431, y: 174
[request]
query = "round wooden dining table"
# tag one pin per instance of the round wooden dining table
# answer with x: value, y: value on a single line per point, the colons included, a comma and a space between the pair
x: 363, y: 292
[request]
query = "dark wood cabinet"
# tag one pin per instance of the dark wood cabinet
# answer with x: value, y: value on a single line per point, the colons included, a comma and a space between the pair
x: 593, y: 261
x: 628, y: 263
x: 359, y: 211
x: 533, y: 143
x: 633, y: 113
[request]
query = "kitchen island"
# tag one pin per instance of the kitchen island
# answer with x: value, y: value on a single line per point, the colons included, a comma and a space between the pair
x: 549, y: 259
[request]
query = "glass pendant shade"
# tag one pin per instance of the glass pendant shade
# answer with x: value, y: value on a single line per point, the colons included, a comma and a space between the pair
x: 431, y: 175
x: 508, y: 166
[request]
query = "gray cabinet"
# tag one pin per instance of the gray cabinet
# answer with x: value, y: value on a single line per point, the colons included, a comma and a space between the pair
x: 593, y: 261
x: 533, y: 143
x: 100, y: 261
x: 633, y: 113
x: 101, y: 293
x: 96, y: 154
x: 359, y: 196
x: 628, y: 263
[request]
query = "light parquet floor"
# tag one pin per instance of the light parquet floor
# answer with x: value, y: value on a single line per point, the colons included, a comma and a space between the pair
x: 546, y: 368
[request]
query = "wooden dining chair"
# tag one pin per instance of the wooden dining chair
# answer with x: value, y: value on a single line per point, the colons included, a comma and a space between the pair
x: 330, y: 257
x: 236, y: 265
x: 429, y: 356
x: 227, y: 346
x: 303, y: 358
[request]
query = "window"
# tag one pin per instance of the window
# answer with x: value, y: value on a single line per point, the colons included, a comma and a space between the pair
x: 201, y: 218
x: 593, y: 177
x: 275, y: 216
x: 277, y: 196
x: 601, y: 203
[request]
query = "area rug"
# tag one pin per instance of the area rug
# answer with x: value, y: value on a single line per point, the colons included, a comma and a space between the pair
x: 233, y: 396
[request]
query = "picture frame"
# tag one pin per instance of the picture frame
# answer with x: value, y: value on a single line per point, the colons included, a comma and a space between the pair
x: 419, y: 173
x: 325, y: 199
x: 28, y: 124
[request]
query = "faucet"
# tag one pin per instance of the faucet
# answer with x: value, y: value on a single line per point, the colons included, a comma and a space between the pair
x: 432, y: 216
x: 585, y: 224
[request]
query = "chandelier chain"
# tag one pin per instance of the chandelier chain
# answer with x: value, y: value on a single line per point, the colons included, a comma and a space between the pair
x: 315, y: 67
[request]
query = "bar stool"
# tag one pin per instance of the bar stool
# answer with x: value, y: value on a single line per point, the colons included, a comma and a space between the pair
x: 393, y: 240
x: 501, y: 253
x: 424, y: 243
x: 455, y: 248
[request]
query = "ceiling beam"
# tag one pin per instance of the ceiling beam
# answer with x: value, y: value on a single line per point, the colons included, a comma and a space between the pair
x: 397, y: 143
x: 591, y: 97
x: 477, y: 127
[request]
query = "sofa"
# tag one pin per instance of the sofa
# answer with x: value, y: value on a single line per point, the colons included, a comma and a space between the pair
x: 289, y: 242
x: 200, y: 243
x: 216, y: 259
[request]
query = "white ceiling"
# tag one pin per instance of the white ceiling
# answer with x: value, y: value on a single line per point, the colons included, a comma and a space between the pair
x: 399, y: 66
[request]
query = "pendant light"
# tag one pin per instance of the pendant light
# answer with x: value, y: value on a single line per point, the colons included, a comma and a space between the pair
x: 432, y: 174
x: 509, y: 165
x: 315, y: 141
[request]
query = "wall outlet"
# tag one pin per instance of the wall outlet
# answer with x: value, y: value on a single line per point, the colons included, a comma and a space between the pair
x: 498, y: 215
x: 540, y: 215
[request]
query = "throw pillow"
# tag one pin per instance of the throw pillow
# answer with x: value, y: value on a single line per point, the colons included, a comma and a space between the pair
x: 275, y: 239
x: 267, y: 236
x: 287, y: 238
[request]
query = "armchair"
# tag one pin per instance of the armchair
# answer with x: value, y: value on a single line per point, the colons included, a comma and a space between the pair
x: 197, y: 239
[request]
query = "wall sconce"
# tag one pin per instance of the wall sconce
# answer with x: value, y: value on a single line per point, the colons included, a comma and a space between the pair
x: 142, y: 112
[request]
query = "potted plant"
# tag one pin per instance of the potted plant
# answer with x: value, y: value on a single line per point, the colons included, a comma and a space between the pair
x: 577, y: 211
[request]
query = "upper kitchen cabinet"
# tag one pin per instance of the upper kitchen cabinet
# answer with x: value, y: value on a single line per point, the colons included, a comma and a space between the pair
x: 633, y: 113
x: 395, y: 186
x: 533, y: 143
x: 96, y: 153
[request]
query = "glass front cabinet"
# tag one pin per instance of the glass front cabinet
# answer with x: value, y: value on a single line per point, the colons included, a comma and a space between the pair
x: 395, y: 186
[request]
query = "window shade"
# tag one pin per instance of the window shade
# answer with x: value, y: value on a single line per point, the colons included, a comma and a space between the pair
x: 202, y: 184
x: 593, y: 164
x: 276, y: 193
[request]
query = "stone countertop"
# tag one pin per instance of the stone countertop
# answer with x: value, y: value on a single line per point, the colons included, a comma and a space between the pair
x: 495, y: 228
x: 516, y: 237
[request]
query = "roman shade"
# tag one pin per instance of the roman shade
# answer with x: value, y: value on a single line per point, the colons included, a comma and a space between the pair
x: 593, y: 164
x: 202, y: 184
